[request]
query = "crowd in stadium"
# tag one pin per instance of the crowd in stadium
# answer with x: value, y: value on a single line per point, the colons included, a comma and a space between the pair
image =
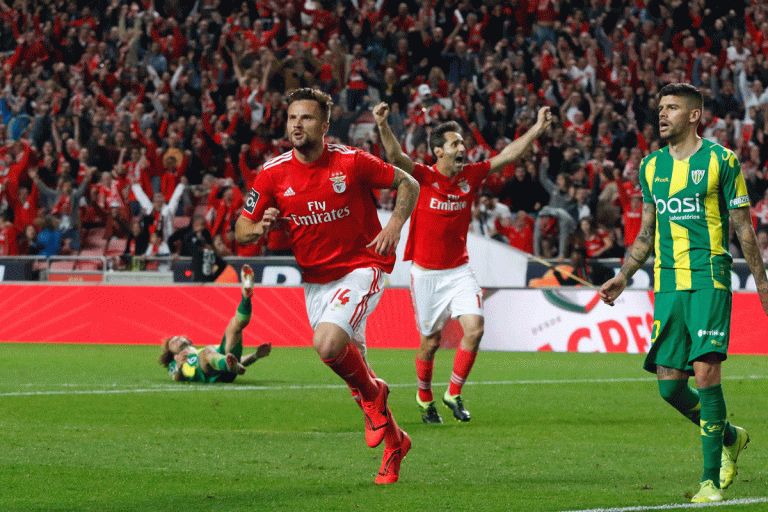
x: 135, y: 128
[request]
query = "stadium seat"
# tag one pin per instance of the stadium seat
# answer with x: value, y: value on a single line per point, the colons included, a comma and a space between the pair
x: 62, y: 265
x: 115, y: 246
x: 88, y: 265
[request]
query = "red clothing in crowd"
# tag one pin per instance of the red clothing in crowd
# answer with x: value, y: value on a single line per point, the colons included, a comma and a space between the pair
x: 8, y: 245
x: 519, y: 237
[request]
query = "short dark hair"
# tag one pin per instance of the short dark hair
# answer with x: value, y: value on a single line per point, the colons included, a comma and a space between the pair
x: 687, y: 91
x: 437, y: 137
x: 322, y: 99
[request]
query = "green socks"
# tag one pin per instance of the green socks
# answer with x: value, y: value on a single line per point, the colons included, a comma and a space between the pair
x: 712, y: 427
x: 686, y: 400
x: 244, y: 310
x: 218, y: 362
x: 682, y: 397
x: 705, y: 408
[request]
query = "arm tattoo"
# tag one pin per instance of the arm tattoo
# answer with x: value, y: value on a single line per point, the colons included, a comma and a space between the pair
x: 407, y: 194
x: 748, y: 242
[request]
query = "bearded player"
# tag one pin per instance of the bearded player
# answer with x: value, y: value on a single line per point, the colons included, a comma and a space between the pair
x: 442, y: 283
x: 323, y: 195
x: 211, y: 363
x: 691, y: 189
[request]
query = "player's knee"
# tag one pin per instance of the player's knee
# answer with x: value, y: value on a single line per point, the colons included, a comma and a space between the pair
x: 329, y: 342
x: 431, y: 343
x: 670, y: 390
x: 474, y: 334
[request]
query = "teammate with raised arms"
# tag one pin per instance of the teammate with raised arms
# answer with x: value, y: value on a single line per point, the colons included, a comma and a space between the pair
x: 442, y: 283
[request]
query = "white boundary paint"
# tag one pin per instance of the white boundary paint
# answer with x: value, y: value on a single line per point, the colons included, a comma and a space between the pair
x: 678, y: 506
x: 187, y: 387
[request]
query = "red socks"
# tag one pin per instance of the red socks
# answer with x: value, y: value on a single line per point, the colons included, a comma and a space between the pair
x: 350, y: 366
x: 462, y: 365
x: 393, y: 436
x: 424, y: 376
x: 355, y: 393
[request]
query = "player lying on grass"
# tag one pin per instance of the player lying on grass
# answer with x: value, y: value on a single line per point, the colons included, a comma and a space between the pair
x: 215, y: 364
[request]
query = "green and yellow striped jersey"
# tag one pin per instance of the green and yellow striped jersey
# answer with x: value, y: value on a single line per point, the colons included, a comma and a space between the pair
x: 692, y: 199
x: 192, y: 370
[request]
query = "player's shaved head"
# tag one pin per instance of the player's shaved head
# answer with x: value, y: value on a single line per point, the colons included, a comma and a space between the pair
x: 692, y: 96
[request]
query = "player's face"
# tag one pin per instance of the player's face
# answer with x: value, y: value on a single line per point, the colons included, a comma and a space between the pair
x: 178, y: 343
x: 306, y: 127
x: 454, y: 151
x: 674, y: 117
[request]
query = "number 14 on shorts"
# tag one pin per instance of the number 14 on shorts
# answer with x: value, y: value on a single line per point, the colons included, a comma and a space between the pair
x: 342, y: 296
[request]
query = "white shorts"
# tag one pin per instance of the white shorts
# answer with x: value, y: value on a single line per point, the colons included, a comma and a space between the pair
x: 436, y: 294
x: 346, y: 302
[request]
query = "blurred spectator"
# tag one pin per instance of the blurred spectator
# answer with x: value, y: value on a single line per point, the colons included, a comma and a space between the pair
x: 8, y: 236
x: 27, y: 242
x: 24, y: 207
x: 207, y: 264
x: 64, y: 206
x: 157, y: 248
x: 137, y: 242
x: 224, y: 205
x: 559, y: 191
x: 196, y: 234
x: 584, y: 268
x: 523, y: 192
x: 487, y: 215
x: 162, y: 213
x: 519, y: 232
x: 220, y: 246
x: 597, y: 241
x: 760, y: 210
x: 762, y: 243
x: 49, y: 237
x: 552, y: 232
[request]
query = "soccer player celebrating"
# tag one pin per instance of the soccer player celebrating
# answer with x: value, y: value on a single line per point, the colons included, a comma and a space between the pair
x: 441, y: 281
x: 212, y: 364
x: 323, y: 195
x: 690, y: 189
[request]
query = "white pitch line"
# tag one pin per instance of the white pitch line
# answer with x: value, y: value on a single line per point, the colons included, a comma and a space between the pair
x: 221, y: 387
x: 676, y: 506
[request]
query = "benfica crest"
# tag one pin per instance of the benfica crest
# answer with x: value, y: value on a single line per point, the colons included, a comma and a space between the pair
x: 339, y: 181
x: 697, y: 175
x: 463, y: 186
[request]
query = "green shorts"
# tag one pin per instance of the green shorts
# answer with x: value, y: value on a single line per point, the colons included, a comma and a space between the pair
x: 687, y: 325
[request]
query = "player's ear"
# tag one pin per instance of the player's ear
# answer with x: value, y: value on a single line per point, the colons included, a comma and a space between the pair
x: 438, y: 152
x: 695, y: 115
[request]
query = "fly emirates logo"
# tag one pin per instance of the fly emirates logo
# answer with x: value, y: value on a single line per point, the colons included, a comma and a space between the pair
x: 319, y: 215
x: 452, y: 205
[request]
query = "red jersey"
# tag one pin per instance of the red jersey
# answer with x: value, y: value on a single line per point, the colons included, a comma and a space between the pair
x: 632, y: 221
x: 329, y: 206
x: 437, y: 238
x: 595, y: 242
x: 8, y: 246
x: 521, y: 239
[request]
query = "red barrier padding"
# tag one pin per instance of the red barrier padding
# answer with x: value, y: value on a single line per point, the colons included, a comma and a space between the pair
x: 147, y: 314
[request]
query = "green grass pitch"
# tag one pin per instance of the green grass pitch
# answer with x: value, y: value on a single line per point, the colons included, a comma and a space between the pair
x: 102, y: 428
